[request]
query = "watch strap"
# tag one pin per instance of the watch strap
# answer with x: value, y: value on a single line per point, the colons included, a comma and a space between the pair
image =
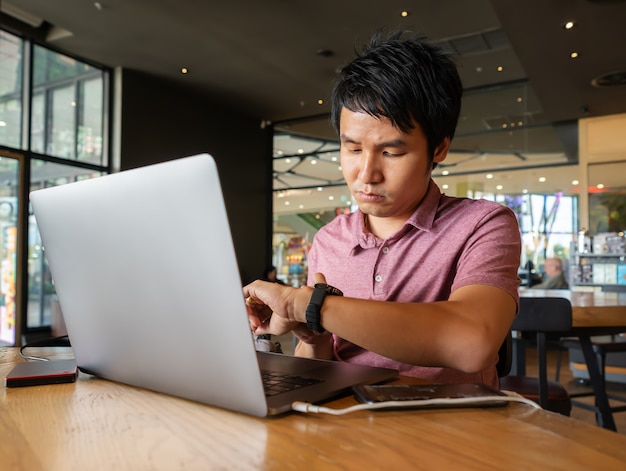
x: 314, y: 308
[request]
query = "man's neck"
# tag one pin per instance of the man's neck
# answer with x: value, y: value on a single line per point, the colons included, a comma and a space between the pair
x: 383, y: 228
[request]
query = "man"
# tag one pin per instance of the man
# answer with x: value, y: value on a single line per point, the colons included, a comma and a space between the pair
x: 429, y: 282
x: 555, y: 279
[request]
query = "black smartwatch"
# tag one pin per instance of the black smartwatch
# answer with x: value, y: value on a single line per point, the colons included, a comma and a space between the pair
x: 313, y: 310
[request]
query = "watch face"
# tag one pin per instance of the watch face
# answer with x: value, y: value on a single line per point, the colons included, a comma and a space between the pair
x: 329, y: 289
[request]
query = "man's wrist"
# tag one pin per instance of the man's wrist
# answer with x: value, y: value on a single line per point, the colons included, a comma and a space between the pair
x: 314, y: 308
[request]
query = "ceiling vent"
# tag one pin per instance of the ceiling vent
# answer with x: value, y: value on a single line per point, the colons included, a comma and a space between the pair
x: 612, y: 79
x: 485, y: 41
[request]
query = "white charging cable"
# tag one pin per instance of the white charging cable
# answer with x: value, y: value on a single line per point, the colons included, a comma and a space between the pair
x: 450, y: 402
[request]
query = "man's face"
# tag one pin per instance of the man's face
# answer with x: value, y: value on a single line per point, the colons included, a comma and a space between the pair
x: 386, y: 170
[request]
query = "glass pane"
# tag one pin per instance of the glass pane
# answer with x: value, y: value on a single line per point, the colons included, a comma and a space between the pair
x: 41, y: 293
x: 11, y: 61
x: 63, y: 123
x: 9, y: 169
x: 38, y: 122
x: 68, y: 107
x: 50, y: 67
x: 91, y: 119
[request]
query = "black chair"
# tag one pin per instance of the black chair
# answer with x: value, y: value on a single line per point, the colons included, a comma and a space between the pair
x: 539, y: 316
x: 600, y: 349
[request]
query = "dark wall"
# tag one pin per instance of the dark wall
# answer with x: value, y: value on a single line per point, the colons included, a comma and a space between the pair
x: 163, y: 121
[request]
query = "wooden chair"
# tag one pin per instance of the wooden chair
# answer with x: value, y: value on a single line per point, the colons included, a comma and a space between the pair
x: 539, y: 316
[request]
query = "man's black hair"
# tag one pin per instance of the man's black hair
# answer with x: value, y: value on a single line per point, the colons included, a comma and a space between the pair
x: 404, y: 78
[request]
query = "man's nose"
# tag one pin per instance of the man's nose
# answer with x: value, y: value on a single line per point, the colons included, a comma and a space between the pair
x: 369, y: 171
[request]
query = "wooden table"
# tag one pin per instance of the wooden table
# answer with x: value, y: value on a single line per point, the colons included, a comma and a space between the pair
x: 593, y: 313
x: 97, y: 424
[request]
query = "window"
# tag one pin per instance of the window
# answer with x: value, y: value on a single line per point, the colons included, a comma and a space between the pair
x: 11, y: 69
x: 9, y: 168
x: 60, y: 138
x: 68, y: 108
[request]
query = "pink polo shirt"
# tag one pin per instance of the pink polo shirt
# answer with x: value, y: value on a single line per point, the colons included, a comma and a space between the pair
x: 447, y: 243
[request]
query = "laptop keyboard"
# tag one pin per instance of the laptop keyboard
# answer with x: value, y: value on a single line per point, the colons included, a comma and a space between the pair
x: 275, y: 382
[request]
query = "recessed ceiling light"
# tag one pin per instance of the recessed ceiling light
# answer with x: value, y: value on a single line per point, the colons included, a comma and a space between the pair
x: 569, y: 25
x: 573, y: 55
x: 320, y: 102
x: 500, y: 68
x: 600, y: 186
x: 489, y: 176
x: 499, y: 187
x: 542, y: 179
x: 184, y: 70
x: 404, y: 14
x: 575, y: 182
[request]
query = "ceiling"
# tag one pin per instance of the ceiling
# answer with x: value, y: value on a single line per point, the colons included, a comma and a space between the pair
x: 274, y: 59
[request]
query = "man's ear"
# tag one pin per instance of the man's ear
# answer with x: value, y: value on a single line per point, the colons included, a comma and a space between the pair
x: 441, y: 152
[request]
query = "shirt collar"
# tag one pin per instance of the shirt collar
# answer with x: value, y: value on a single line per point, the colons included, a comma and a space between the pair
x: 422, y: 218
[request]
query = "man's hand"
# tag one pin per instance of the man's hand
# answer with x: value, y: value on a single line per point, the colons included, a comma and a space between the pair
x: 270, y: 307
x: 278, y: 309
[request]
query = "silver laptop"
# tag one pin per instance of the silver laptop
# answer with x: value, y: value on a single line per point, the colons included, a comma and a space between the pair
x: 147, y: 278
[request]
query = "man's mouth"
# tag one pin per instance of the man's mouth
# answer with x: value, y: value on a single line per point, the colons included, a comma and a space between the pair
x: 369, y: 197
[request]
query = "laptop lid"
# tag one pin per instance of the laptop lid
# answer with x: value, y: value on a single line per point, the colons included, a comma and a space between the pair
x: 147, y: 279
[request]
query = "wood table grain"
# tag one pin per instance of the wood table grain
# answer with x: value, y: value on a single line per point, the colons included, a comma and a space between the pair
x: 94, y: 424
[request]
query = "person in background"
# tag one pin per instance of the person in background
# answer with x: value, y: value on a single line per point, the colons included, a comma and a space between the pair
x: 554, y: 279
x: 429, y: 281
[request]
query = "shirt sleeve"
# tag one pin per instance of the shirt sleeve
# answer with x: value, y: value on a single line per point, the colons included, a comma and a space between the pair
x: 492, y: 253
